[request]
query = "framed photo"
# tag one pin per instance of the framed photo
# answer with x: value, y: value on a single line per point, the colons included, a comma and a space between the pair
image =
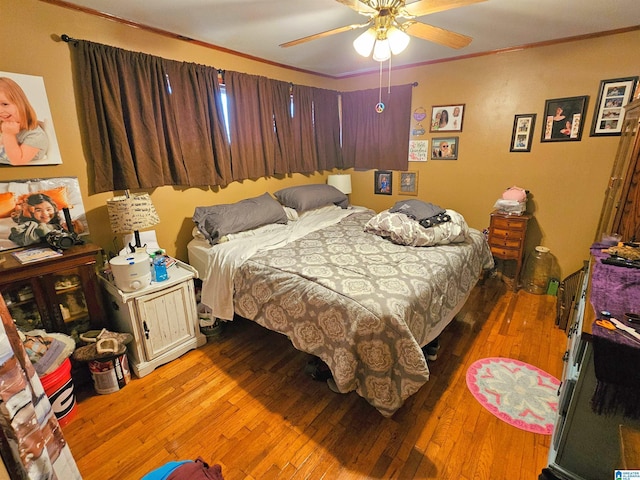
x: 444, y: 148
x: 613, y: 95
x: 563, y: 119
x: 522, y: 135
x: 446, y: 118
x: 408, y: 183
x: 382, y: 182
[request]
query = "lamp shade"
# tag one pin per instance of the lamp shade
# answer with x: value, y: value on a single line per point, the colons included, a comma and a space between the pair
x: 398, y: 40
x: 341, y: 182
x: 381, y: 50
x: 131, y: 213
x: 363, y: 44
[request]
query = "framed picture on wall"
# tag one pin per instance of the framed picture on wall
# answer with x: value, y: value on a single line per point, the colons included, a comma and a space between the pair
x: 383, y: 182
x: 444, y: 148
x: 447, y: 118
x: 563, y: 119
x: 522, y: 136
x: 613, y: 95
x: 408, y: 183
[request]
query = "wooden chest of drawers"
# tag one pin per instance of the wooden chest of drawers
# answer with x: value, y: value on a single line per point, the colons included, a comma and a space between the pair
x: 506, y: 239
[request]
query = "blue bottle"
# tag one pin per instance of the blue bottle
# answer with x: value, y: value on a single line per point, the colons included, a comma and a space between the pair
x: 160, y: 267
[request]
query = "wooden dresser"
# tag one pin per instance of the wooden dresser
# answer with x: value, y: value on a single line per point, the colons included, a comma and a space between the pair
x: 506, y: 239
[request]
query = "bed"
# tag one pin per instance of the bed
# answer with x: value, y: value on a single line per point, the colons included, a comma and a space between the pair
x: 360, y: 302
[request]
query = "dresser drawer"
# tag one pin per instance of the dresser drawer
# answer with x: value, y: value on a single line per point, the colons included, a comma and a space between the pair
x: 506, y: 253
x: 516, y: 235
x: 509, y: 223
x: 506, y: 241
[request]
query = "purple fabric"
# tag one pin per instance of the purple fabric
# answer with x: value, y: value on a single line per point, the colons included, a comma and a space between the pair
x: 616, y: 356
x: 614, y: 289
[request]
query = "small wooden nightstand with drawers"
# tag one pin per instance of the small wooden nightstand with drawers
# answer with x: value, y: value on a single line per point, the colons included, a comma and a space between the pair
x: 506, y: 239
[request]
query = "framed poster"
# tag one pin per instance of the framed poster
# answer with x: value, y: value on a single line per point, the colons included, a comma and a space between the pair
x: 522, y: 134
x: 613, y: 95
x: 30, y: 121
x: 382, y: 182
x: 444, y: 148
x: 447, y: 118
x: 408, y: 183
x: 564, y: 118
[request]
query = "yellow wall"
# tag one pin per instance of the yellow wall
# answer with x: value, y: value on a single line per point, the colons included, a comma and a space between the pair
x: 567, y: 180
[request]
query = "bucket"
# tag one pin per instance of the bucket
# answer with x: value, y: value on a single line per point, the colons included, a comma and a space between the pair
x: 58, y: 386
x: 110, y: 374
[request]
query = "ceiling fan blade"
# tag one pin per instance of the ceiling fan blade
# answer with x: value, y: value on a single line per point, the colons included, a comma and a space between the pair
x: 425, y: 7
x: 437, y: 35
x: 358, y: 6
x: 324, y: 34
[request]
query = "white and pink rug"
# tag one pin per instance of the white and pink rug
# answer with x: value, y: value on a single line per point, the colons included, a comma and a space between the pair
x: 518, y: 393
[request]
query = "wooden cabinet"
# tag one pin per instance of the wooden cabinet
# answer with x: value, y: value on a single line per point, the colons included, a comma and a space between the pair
x: 506, y: 239
x: 621, y: 209
x: 58, y: 294
x: 162, y: 318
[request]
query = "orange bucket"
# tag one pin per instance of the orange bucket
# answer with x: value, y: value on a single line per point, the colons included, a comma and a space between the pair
x: 58, y: 386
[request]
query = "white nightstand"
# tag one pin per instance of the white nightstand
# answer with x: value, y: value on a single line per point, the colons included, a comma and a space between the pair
x: 162, y: 318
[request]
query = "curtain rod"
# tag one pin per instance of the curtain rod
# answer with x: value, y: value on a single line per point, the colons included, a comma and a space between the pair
x: 66, y: 38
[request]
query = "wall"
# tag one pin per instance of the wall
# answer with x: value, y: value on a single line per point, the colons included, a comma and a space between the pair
x: 566, y: 180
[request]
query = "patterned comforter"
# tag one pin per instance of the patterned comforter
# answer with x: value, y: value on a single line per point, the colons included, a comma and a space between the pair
x: 361, y: 303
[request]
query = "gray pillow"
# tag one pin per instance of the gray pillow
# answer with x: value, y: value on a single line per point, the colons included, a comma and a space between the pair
x: 217, y: 221
x: 416, y: 209
x: 307, y: 197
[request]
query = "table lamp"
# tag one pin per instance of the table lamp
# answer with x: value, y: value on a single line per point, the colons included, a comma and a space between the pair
x: 341, y: 181
x: 132, y: 213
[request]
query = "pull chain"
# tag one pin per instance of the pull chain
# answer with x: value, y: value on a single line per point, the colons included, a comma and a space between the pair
x: 380, y: 105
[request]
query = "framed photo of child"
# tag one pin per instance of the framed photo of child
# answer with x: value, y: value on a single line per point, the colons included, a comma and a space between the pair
x: 32, y: 209
x: 27, y: 135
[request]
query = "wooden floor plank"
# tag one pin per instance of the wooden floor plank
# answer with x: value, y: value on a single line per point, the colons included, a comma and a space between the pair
x: 243, y: 401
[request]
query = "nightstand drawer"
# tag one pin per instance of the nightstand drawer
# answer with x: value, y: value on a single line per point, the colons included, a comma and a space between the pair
x: 512, y: 235
x: 506, y: 253
x: 509, y: 223
x: 505, y: 242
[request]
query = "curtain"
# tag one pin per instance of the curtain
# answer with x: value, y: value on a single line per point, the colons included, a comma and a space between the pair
x: 250, y: 103
x: 306, y: 155
x: 376, y: 140
x: 149, y: 121
x: 326, y: 108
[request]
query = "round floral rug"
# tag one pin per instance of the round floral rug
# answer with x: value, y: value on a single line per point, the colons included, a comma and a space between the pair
x: 518, y: 393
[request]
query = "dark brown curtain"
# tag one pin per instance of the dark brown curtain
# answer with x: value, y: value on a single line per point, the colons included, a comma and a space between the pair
x: 376, y: 140
x: 306, y: 154
x: 250, y: 100
x: 149, y: 121
x: 326, y: 106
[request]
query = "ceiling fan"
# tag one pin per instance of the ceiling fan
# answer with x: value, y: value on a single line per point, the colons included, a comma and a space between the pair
x: 390, y: 24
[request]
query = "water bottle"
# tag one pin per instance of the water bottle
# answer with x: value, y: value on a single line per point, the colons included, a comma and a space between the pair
x: 160, y: 267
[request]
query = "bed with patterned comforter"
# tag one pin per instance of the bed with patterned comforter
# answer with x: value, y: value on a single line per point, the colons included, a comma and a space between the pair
x: 361, y: 303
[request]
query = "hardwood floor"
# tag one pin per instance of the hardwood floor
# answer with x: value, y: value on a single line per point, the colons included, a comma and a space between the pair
x: 243, y: 401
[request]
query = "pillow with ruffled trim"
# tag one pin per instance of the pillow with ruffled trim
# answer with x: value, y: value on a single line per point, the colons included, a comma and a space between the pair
x: 401, y: 229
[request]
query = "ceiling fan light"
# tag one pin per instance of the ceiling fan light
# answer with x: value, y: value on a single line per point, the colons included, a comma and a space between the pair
x: 398, y: 40
x: 364, y: 42
x: 381, y: 51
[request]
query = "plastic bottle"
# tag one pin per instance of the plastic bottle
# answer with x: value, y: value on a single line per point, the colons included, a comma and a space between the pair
x: 160, y: 267
x: 537, y: 271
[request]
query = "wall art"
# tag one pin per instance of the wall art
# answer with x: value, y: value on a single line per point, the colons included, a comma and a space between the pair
x: 613, y: 95
x: 522, y: 135
x: 564, y: 119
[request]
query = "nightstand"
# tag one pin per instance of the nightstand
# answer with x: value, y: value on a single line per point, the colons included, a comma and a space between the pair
x: 506, y: 239
x: 162, y: 318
